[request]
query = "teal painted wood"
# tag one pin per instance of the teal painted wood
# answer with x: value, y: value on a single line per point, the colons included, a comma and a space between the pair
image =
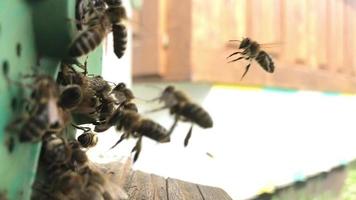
x: 30, y: 29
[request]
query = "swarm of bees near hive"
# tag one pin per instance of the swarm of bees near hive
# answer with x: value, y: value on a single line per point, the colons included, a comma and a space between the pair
x: 65, y: 171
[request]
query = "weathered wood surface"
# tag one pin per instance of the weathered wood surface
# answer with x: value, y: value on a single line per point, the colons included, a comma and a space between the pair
x: 144, y: 186
x: 314, y: 42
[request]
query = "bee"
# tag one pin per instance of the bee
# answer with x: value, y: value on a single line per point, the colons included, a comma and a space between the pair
x: 252, y: 50
x: 84, y: 105
x: 100, y: 23
x: 55, y: 151
x: 183, y: 109
x: 132, y: 124
x: 124, y: 96
x: 88, y: 138
x: 44, y: 113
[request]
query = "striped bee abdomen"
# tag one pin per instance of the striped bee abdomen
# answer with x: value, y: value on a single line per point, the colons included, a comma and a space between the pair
x: 265, y: 61
x: 88, y: 139
x: 196, y: 114
x: 152, y: 130
x: 87, y: 41
x: 120, y: 39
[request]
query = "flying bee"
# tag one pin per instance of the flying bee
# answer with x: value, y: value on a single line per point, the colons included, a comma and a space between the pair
x: 88, y: 138
x: 132, y: 124
x: 252, y: 50
x: 183, y: 109
x: 100, y: 23
x: 44, y: 113
x: 124, y: 96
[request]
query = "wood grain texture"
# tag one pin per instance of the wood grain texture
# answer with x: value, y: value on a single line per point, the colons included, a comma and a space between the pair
x: 189, y: 190
x: 160, y: 187
x: 335, y: 34
x: 137, y: 185
x: 212, y: 193
x: 174, y: 191
x: 141, y: 187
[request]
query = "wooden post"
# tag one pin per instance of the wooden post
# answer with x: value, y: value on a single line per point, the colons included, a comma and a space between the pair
x: 179, y: 31
x: 149, y: 56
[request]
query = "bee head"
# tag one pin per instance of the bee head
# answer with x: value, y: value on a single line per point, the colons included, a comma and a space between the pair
x: 169, y: 90
x: 245, y: 43
x: 120, y: 87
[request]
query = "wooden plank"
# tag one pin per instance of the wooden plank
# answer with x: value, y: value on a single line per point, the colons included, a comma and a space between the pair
x: 316, y: 33
x: 179, y: 26
x: 160, y: 187
x: 148, y: 41
x: 141, y: 186
x: 264, y: 20
x: 349, y: 36
x: 295, y: 45
x: 335, y: 48
x: 212, y: 193
x: 174, y: 191
x: 189, y: 190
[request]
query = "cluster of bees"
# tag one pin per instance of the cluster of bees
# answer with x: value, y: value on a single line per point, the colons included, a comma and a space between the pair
x: 54, y: 105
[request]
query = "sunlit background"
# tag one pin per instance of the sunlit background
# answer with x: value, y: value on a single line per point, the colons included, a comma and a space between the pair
x: 270, y: 130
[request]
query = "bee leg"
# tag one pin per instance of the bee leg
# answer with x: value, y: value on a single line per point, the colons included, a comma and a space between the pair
x: 246, y: 70
x: 157, y: 109
x: 239, y: 58
x: 173, y: 126
x: 137, y: 148
x: 123, y: 136
x: 186, y: 140
x: 235, y: 53
x: 83, y: 128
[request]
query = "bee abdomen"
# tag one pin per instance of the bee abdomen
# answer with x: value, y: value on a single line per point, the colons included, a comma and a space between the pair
x: 88, y: 140
x: 87, y: 41
x: 196, y: 114
x: 265, y: 61
x: 152, y: 130
x: 120, y: 39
